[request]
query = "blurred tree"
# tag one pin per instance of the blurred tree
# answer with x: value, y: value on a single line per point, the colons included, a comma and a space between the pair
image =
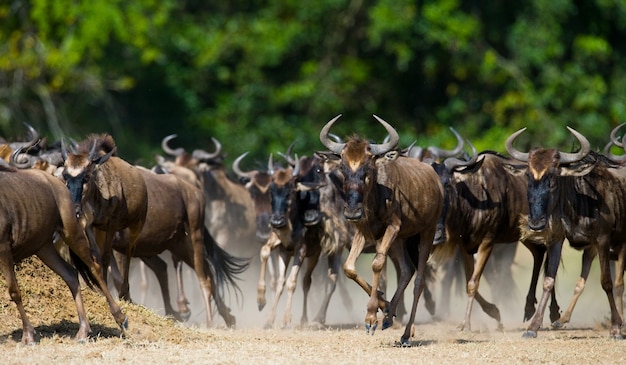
x: 260, y: 75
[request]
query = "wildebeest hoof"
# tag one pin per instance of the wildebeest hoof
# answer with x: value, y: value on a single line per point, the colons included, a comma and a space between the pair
x: 261, y: 306
x: 268, y: 326
x: 184, y: 316
x: 557, y: 325
x: 405, y: 342
x: 371, y: 328
x: 529, y: 334
x: 387, y: 322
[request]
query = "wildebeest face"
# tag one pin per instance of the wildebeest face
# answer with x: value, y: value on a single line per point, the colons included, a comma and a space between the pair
x: 258, y: 188
x: 76, y: 174
x: 357, y: 168
x: 311, y: 179
x: 542, y: 171
x: 281, y: 191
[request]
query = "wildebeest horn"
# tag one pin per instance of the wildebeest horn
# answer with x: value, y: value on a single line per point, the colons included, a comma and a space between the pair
x: 296, y: 168
x: 287, y: 155
x: 441, y: 153
x: 204, y: 156
x: 453, y: 162
x: 585, y: 147
x: 334, y: 147
x: 92, y: 152
x: 21, y: 165
x: 394, y: 138
x: 238, y: 171
x: 614, y: 138
x: 520, y: 156
x: 270, y: 165
x: 33, y: 139
x: 607, y: 152
x: 172, y: 152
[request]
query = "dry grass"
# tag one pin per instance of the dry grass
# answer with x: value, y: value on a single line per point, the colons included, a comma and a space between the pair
x: 157, y: 340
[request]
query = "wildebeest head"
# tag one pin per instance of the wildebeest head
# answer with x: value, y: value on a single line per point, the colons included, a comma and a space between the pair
x: 257, y: 183
x: 282, y: 192
x: 543, y: 169
x: 358, y: 164
x: 80, y: 165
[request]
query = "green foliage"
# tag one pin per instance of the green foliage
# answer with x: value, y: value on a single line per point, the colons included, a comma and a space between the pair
x: 260, y: 75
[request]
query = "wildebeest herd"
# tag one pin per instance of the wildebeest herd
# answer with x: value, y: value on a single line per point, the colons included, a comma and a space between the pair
x: 82, y: 209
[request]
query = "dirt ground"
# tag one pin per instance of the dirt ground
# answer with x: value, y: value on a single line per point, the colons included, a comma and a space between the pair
x: 155, y: 339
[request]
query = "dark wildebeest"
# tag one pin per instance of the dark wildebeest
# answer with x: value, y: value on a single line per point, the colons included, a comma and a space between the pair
x: 35, y: 206
x: 302, y: 228
x: 109, y: 195
x: 482, y: 207
x: 388, y: 197
x: 579, y: 196
x: 175, y: 222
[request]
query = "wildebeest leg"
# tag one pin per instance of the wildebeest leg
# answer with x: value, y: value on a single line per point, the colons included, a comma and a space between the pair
x: 292, y: 281
x: 8, y: 271
x: 130, y: 250
x: 283, y: 259
x: 311, y: 263
x: 265, y: 254
x: 378, y: 263
x: 607, y: 285
x: 554, y: 257
x: 349, y: 268
x: 473, y: 271
x: 588, y: 255
x: 406, y: 271
x: 183, y: 303
x: 159, y: 267
x: 53, y: 260
x: 539, y: 252
x: 93, y: 258
x: 334, y: 263
x: 418, y: 249
x: 619, y: 280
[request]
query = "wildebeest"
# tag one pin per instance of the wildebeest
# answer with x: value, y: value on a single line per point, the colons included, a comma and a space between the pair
x: 175, y: 222
x: 579, y: 196
x: 109, y: 195
x: 482, y: 207
x: 388, y: 197
x: 35, y: 206
x: 229, y: 210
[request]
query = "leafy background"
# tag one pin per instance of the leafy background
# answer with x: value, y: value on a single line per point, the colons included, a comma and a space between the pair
x: 258, y: 75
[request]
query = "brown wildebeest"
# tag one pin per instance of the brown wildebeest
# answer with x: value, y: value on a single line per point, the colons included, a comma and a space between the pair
x: 229, y: 209
x: 388, y: 197
x: 482, y: 207
x: 579, y: 196
x: 109, y: 195
x: 175, y: 222
x: 35, y: 206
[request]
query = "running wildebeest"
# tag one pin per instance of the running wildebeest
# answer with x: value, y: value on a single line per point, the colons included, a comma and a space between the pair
x: 388, y: 197
x: 579, y: 196
x: 109, y: 195
x: 35, y: 206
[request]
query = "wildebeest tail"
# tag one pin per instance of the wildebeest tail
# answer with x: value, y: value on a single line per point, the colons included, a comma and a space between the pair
x: 84, y: 271
x: 224, y: 267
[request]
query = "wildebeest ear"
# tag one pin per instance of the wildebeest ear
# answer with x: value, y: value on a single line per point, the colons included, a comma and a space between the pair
x: 104, y: 158
x: 387, y: 157
x: 327, y: 155
x: 515, y: 169
x: 577, y: 169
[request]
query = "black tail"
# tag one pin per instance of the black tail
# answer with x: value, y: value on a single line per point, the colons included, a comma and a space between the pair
x: 224, y: 268
x: 84, y: 271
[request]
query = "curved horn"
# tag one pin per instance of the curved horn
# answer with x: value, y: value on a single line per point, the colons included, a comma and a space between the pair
x: 585, y: 147
x: 614, y: 138
x: 21, y: 165
x: 172, y: 152
x: 93, y: 151
x: 441, y: 153
x: 453, y: 162
x: 204, y: 156
x: 394, y: 138
x: 34, y: 138
x: 287, y: 155
x: 520, y: 156
x: 238, y: 171
x: 334, y: 147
